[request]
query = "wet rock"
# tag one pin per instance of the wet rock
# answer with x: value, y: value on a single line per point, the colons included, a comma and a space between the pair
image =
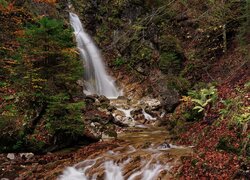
x: 103, y: 99
x: 93, y: 133
x: 121, y: 97
x: 110, y: 133
x: 125, y: 121
x: 136, y: 112
x: 153, y: 104
x: 148, y: 116
x: 26, y: 155
x: 169, y: 100
x: 90, y: 99
x: 164, y: 145
x: 119, y: 123
x: 80, y: 83
x: 143, y: 68
x: 111, y: 108
x: 11, y: 156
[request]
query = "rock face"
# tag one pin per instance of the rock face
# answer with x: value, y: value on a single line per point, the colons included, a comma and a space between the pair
x: 169, y: 99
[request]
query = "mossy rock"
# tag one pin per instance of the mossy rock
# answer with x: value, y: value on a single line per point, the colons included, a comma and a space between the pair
x: 171, y: 55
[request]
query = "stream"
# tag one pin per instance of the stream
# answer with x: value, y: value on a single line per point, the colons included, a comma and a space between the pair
x: 144, y: 153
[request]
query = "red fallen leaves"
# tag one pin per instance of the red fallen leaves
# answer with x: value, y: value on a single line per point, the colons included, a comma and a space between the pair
x: 52, y: 2
x: 49, y: 166
x: 211, y: 164
x: 208, y: 162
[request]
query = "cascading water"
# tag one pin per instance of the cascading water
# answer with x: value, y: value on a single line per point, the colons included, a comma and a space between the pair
x: 97, y: 81
x: 135, y: 159
x: 141, y: 154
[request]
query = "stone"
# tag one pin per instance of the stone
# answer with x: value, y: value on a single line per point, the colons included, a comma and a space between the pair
x: 103, y: 99
x: 11, y: 156
x: 80, y: 83
x: 164, y: 146
x: 111, y: 108
x: 90, y: 98
x: 27, y: 155
x: 169, y: 100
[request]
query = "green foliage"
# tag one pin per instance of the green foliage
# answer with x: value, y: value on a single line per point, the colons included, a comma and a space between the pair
x: 171, y: 55
x: 52, y: 64
x: 245, y: 25
x: 226, y: 143
x: 46, y: 38
x: 141, y: 54
x: 203, y: 97
x: 228, y: 103
x: 169, y: 63
x: 191, y: 115
x: 34, y: 145
x: 45, y: 75
x: 247, y: 86
x: 11, y: 136
x: 119, y: 61
x: 179, y: 83
x: 235, y: 109
x: 3, y: 3
x: 243, y: 117
x: 64, y: 118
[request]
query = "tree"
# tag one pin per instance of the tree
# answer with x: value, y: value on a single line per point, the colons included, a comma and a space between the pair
x: 45, y: 79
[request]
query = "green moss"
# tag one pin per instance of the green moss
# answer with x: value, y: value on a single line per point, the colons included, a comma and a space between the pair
x: 194, y: 162
x: 226, y: 144
x: 179, y: 83
x: 119, y: 61
x: 171, y: 55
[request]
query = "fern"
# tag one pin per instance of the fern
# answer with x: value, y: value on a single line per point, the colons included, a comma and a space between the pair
x: 203, y: 97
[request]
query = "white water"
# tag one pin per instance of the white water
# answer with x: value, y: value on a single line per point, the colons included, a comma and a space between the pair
x: 97, y: 81
x: 148, y: 170
x: 147, y: 116
x: 128, y: 161
x: 127, y: 112
x: 131, y: 160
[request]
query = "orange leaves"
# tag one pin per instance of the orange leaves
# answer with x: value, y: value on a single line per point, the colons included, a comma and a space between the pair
x: 52, y: 2
x: 6, y: 7
x: 19, y: 33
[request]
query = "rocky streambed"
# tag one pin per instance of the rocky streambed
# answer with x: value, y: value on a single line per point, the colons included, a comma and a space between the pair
x: 143, y: 153
x: 133, y: 146
x: 144, y: 150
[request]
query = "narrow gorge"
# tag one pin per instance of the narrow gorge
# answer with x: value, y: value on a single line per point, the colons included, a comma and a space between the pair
x: 124, y: 89
x: 145, y: 152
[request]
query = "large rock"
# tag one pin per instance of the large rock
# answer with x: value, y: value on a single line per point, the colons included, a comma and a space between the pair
x: 169, y: 99
x: 123, y: 116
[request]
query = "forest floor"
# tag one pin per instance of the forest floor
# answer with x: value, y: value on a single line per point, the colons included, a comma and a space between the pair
x: 221, y: 146
x: 50, y: 165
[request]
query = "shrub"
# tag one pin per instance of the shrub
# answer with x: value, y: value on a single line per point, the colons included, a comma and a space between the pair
x: 64, y: 118
x: 203, y: 97
x: 45, y: 75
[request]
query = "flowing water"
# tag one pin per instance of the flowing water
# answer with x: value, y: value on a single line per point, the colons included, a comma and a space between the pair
x: 144, y: 152
x: 97, y: 81
x: 143, y: 155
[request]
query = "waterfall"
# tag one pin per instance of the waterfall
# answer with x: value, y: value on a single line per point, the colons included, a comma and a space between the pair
x: 97, y: 81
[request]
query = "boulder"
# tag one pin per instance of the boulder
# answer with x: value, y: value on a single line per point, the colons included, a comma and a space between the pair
x: 26, y: 155
x: 169, y: 100
x: 90, y: 99
x: 103, y: 99
x: 11, y: 156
